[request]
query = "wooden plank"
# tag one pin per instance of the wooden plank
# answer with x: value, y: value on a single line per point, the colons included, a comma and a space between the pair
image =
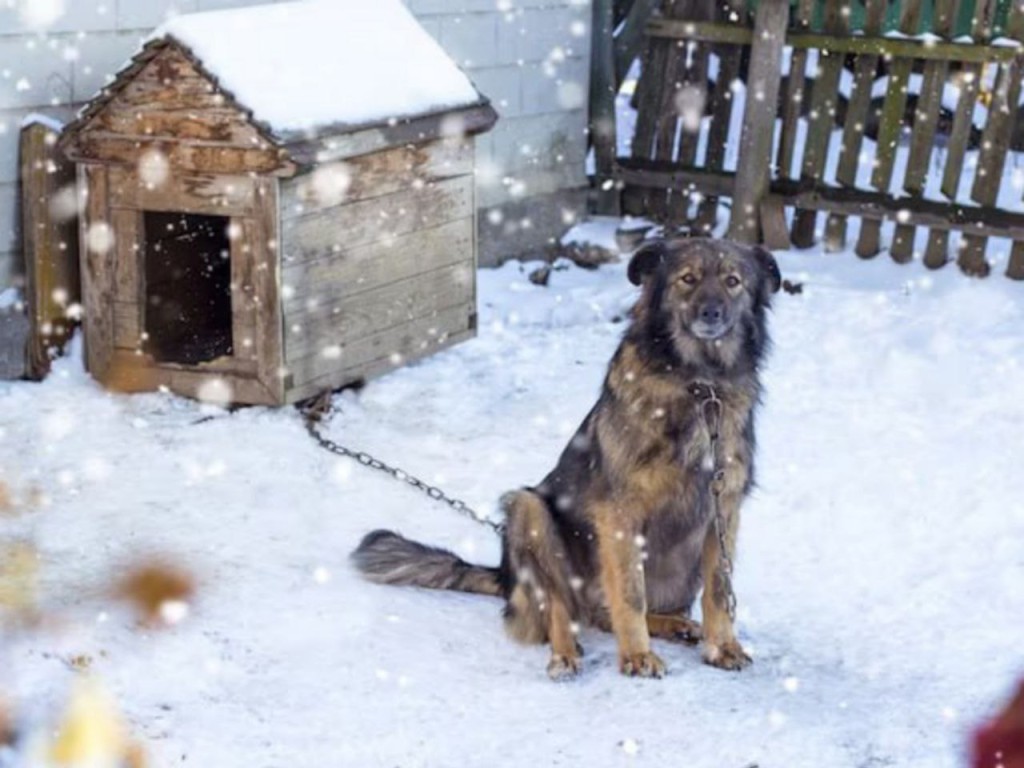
x: 995, y: 143
x: 269, y: 351
x: 383, y: 350
x: 865, y: 68
x: 754, y: 163
x: 674, y: 205
x: 1015, y: 267
x: 127, y: 326
x: 694, y: 85
x: 343, y: 141
x: 97, y: 271
x: 821, y: 120
x: 194, y: 156
x: 335, y: 323
x: 920, y: 212
x: 889, y: 129
x: 730, y: 59
x: 354, y: 270
x: 650, y: 90
x: 50, y: 242
x: 129, y: 272
x: 963, y: 119
x: 319, y: 234
x: 792, y: 106
x: 893, y: 47
x: 774, y: 229
x: 654, y: 174
x: 181, y: 191
x: 601, y: 117
x: 244, y: 305
x: 219, y: 125
x: 376, y: 174
x: 630, y: 40
x: 132, y: 372
x: 919, y: 162
x: 926, y: 119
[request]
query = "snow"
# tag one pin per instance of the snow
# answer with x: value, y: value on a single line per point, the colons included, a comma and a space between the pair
x: 34, y: 118
x: 879, y: 568
x: 306, y: 64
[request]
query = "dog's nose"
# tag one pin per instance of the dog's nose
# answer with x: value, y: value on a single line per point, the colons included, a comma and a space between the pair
x: 712, y: 312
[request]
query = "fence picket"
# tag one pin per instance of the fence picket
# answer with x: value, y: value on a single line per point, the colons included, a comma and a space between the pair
x: 889, y: 127
x: 857, y: 113
x: 821, y: 120
x: 792, y: 105
x: 729, y: 59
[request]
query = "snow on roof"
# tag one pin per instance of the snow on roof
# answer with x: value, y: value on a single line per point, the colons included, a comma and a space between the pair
x: 314, y: 63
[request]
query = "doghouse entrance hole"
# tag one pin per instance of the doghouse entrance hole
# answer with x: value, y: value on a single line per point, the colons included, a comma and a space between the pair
x: 188, y: 287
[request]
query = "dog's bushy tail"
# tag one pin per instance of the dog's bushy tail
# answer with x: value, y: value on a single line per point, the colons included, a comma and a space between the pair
x: 385, y: 557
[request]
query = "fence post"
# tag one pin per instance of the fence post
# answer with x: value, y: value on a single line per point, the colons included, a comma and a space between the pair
x: 753, y: 170
x: 602, y: 106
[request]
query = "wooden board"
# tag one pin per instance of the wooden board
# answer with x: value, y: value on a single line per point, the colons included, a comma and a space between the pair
x: 182, y: 191
x: 170, y: 98
x: 331, y: 230
x: 354, y: 270
x: 50, y: 238
x: 821, y: 120
x: 97, y: 261
x: 857, y: 117
x: 339, y: 322
x: 995, y: 144
x: 200, y: 157
x: 753, y: 166
x: 730, y: 59
x: 381, y: 351
x: 890, y: 128
x: 793, y: 99
x: 266, y: 279
x: 376, y: 174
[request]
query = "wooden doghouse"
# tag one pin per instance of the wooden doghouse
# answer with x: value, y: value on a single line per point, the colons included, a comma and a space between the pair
x: 280, y: 200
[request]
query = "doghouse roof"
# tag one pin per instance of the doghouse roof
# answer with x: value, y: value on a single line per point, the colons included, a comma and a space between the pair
x: 298, y: 73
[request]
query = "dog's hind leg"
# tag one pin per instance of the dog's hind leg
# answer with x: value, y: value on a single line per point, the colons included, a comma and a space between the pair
x: 541, y: 605
x: 674, y: 628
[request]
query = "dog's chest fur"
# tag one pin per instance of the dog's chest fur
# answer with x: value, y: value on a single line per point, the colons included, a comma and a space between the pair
x: 645, y: 452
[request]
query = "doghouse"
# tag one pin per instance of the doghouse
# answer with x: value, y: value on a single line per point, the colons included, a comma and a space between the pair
x: 280, y: 199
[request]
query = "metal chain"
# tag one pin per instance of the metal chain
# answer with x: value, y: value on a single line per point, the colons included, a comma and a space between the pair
x: 711, y: 411
x: 315, y: 414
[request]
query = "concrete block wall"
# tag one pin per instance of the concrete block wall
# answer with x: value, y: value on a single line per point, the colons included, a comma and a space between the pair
x: 529, y: 56
x: 532, y: 58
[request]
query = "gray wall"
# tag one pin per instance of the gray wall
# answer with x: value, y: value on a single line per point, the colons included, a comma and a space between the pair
x: 529, y: 56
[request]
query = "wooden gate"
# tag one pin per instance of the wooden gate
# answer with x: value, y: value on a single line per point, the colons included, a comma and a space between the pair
x: 843, y: 117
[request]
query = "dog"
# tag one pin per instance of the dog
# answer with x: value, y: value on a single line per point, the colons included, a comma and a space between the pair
x: 622, y: 534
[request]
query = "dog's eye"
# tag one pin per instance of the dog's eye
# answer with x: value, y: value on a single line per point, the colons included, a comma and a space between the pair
x: 689, y: 278
x: 732, y: 281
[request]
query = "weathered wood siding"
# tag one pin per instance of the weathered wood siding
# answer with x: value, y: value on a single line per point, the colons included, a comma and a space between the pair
x: 378, y: 263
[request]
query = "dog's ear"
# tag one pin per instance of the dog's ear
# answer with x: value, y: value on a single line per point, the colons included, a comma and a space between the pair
x: 768, y: 266
x: 645, y: 261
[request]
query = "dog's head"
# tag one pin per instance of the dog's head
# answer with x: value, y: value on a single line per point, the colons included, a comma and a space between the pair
x: 703, y: 290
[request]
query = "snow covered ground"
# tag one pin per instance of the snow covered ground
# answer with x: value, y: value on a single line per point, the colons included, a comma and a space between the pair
x: 880, y: 578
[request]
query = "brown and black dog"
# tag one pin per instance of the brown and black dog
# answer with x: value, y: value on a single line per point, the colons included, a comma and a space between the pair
x: 620, y: 534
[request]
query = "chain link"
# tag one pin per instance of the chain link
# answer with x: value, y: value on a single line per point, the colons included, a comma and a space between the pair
x: 711, y: 411
x: 313, y: 417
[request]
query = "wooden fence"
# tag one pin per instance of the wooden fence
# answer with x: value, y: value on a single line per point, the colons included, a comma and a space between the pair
x: 939, y: 111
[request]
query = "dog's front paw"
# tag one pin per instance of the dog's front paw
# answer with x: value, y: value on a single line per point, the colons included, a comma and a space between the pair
x: 727, y: 655
x: 646, y: 664
x: 562, y: 668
